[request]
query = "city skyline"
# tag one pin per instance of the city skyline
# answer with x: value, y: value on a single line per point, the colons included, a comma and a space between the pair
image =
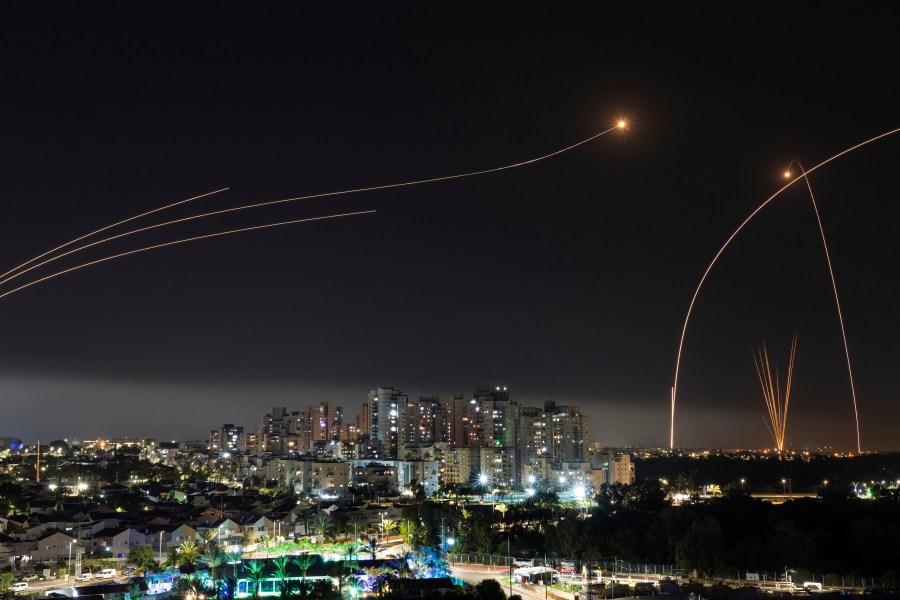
x: 568, y: 279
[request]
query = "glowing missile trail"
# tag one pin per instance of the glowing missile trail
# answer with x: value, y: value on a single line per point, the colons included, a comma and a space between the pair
x: 837, y: 301
x: 674, y: 390
x: 776, y: 404
x: 181, y: 241
x: 4, y: 278
x: 102, y: 229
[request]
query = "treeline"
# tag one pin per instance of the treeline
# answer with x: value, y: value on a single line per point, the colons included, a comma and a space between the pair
x: 765, y: 474
x: 835, y: 534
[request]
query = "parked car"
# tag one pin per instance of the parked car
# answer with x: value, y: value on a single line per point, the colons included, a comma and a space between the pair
x: 107, y: 574
x: 30, y: 577
x: 19, y: 586
x: 84, y: 577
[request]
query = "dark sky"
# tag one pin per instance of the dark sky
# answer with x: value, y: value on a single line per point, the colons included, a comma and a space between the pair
x: 568, y: 279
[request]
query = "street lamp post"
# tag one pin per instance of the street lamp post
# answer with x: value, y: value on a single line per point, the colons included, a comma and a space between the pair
x: 743, y: 481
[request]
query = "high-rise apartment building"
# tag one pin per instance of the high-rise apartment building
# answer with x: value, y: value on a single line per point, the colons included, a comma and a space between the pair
x: 568, y: 428
x: 422, y: 421
x: 364, y: 421
x: 387, y: 409
x: 459, y: 421
x: 228, y: 438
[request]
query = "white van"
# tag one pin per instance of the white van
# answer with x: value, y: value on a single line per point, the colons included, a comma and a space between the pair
x: 86, y: 576
x: 19, y: 586
x: 107, y: 574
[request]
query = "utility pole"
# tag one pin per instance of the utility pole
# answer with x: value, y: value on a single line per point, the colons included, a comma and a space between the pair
x: 37, y: 465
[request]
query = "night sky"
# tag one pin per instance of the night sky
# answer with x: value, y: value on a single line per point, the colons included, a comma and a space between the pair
x: 567, y: 279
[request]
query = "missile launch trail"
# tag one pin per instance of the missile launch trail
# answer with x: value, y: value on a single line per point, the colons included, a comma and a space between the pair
x: 181, y: 241
x: 9, y: 276
x: 674, y: 389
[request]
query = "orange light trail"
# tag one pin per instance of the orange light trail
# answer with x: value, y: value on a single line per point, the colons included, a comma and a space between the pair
x: 674, y: 389
x: 837, y: 302
x: 102, y: 229
x: 6, y: 277
x: 776, y: 404
x: 181, y: 241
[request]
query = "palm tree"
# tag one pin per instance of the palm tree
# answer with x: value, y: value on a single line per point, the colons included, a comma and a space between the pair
x: 214, y: 558
x: 374, y: 574
x: 267, y: 542
x: 186, y: 586
x: 254, y: 570
x: 281, y: 572
x: 208, y: 535
x: 171, y: 558
x: 502, y: 508
x: 387, y: 525
x: 188, y: 551
x: 304, y: 562
x: 234, y: 559
x: 135, y: 592
x: 355, y: 525
x: 321, y: 524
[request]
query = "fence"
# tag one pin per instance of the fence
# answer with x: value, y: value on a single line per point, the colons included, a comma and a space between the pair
x: 612, y: 566
x: 798, y: 578
x: 608, y: 565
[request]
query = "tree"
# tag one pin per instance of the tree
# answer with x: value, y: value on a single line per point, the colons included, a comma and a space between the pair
x: 188, y: 552
x: 186, y: 586
x: 214, y: 558
x: 321, y: 524
x: 254, y: 570
x: 703, y: 547
x: 431, y: 564
x: 234, y: 559
x: 135, y: 592
x: 356, y: 526
x: 172, y: 558
x: 142, y: 556
x: 208, y: 535
x: 489, y: 589
x: 387, y: 525
x: 281, y: 571
x: 304, y: 562
x: 267, y: 542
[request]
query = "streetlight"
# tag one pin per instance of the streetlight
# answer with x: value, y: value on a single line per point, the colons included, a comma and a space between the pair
x: 580, y: 493
x: 783, y: 487
x: 484, y: 481
x: 743, y: 481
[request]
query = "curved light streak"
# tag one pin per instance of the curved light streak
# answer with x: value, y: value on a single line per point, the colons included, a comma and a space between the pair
x: 674, y: 389
x: 837, y: 302
x: 776, y: 403
x: 181, y: 241
x: 102, y: 229
x: 4, y: 278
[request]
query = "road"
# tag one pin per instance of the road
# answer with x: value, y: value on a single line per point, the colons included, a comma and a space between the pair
x: 40, y: 587
x: 474, y: 574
